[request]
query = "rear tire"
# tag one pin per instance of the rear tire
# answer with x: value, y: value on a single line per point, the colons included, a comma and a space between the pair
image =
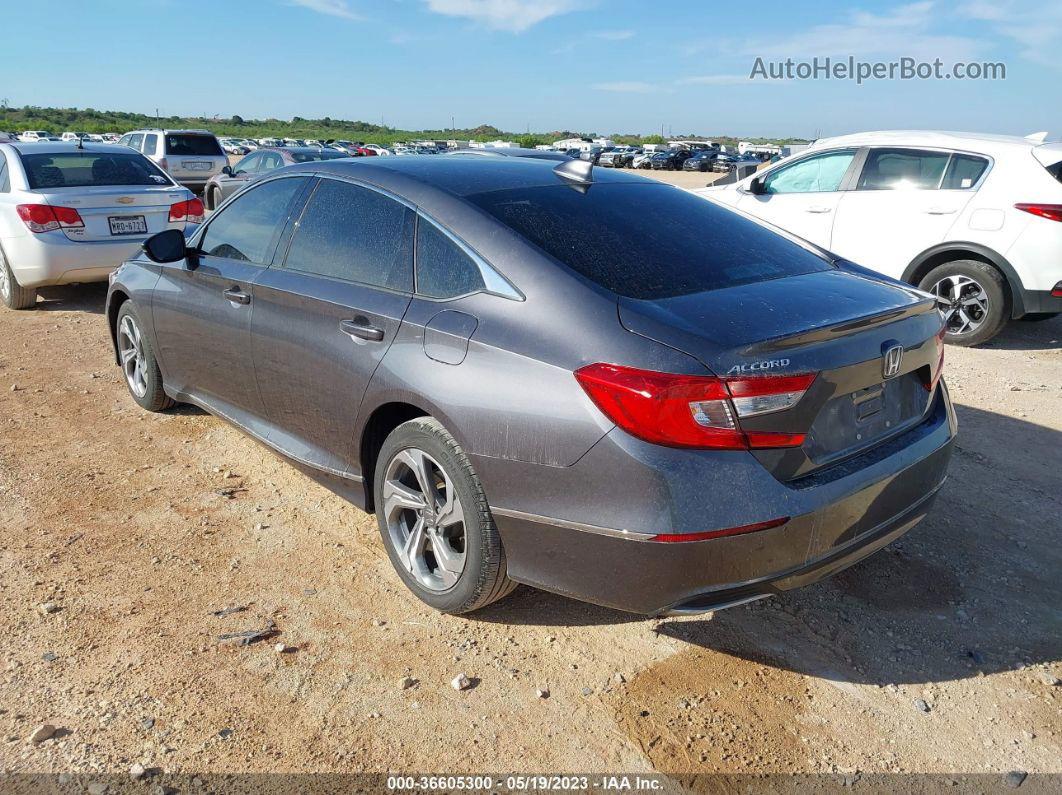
x: 14, y: 295
x: 138, y: 362
x: 972, y: 296
x: 435, y: 522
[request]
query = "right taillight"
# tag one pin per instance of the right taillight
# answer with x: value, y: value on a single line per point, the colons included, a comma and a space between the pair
x: 190, y: 211
x: 1052, y: 212
x: 938, y: 370
x: 692, y: 410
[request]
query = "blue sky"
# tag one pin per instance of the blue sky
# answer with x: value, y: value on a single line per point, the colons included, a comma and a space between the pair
x: 589, y: 65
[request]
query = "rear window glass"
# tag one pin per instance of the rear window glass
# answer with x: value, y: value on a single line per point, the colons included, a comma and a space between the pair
x: 648, y: 241
x: 307, y: 157
x: 1056, y: 170
x: 89, y: 169
x: 184, y: 144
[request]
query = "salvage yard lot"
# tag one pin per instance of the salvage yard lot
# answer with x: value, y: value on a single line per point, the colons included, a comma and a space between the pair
x: 940, y: 654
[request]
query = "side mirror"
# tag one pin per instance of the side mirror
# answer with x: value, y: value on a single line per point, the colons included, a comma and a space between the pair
x: 756, y: 187
x: 168, y: 246
x: 227, y: 170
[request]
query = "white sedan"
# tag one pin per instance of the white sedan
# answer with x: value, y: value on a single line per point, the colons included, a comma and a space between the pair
x: 71, y: 214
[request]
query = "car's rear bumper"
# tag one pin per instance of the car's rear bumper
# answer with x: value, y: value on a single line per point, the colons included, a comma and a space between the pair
x: 51, y: 258
x: 838, y: 516
x: 1037, y: 301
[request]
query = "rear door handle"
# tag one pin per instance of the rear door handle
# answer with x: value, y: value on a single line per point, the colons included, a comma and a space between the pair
x: 940, y: 210
x: 819, y: 210
x: 361, y: 331
x: 236, y: 295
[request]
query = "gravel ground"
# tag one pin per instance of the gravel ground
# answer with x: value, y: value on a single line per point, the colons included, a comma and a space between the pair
x: 126, y: 539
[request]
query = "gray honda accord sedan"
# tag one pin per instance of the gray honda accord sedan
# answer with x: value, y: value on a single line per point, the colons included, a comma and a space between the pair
x: 586, y: 381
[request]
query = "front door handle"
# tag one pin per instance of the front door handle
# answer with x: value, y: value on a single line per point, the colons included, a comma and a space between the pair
x: 361, y: 331
x: 236, y: 295
x: 940, y: 210
x: 819, y: 210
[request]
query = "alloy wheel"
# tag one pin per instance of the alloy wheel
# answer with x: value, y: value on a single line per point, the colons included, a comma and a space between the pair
x: 131, y: 355
x: 963, y: 302
x: 425, y: 519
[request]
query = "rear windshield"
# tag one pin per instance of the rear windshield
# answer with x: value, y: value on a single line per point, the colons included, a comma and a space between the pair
x: 1056, y: 170
x: 307, y: 157
x: 184, y: 144
x: 648, y: 241
x: 89, y: 169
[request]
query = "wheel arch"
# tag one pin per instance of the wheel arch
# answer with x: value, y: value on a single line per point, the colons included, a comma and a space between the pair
x: 383, y: 419
x: 115, y: 301
x: 949, y: 252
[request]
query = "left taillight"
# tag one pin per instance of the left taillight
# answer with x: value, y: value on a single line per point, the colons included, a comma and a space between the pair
x: 190, y: 211
x: 693, y: 411
x: 44, y: 217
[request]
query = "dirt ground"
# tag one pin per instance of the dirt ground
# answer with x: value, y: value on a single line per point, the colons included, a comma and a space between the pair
x: 940, y: 654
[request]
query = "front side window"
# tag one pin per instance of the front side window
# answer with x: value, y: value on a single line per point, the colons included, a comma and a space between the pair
x: 248, y: 228
x: 444, y: 270
x: 355, y: 234
x: 249, y: 165
x: 903, y: 169
x: 816, y: 174
x: 271, y: 160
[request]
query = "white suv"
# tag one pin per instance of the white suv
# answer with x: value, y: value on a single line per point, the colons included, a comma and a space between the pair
x: 974, y: 219
x: 191, y: 157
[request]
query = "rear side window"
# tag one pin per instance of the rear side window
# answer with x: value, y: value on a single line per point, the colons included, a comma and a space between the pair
x: 444, y: 270
x: 248, y: 228
x: 355, y: 234
x: 963, y: 172
x: 5, y: 180
x: 136, y: 140
x: 903, y: 169
x: 648, y: 241
x: 90, y: 169
x: 191, y: 144
x: 308, y: 157
x: 151, y: 142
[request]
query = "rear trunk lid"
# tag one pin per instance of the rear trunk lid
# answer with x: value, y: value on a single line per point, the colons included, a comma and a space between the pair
x: 119, y: 212
x: 836, y: 323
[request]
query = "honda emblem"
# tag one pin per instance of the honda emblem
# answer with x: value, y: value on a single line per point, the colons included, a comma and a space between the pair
x: 890, y: 361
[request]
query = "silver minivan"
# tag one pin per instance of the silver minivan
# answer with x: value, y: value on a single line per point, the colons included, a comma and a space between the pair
x: 191, y: 157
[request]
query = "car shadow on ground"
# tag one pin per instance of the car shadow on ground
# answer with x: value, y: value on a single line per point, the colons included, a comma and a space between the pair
x: 974, y: 589
x: 89, y: 298
x: 1028, y: 335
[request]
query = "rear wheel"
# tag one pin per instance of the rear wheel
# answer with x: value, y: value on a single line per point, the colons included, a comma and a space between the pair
x: 141, y: 369
x: 972, y: 298
x: 14, y: 295
x: 435, y: 521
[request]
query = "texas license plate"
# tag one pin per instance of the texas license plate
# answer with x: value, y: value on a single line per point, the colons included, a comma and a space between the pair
x: 128, y: 225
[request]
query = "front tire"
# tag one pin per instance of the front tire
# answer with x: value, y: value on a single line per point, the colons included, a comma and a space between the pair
x: 435, y: 522
x: 14, y: 295
x: 972, y: 297
x: 138, y: 362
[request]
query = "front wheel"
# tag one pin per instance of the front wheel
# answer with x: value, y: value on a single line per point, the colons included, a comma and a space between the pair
x: 972, y: 298
x: 435, y: 521
x: 141, y: 369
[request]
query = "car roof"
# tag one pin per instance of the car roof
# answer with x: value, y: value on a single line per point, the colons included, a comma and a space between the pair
x: 459, y: 176
x: 933, y: 138
x: 55, y: 148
